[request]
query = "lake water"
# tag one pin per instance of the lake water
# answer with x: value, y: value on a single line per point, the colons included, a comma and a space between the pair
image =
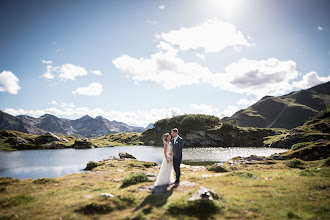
x: 53, y: 163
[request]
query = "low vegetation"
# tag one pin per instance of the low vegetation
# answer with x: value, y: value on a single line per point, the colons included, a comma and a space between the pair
x: 295, y: 163
x: 246, y: 191
x: 135, y: 178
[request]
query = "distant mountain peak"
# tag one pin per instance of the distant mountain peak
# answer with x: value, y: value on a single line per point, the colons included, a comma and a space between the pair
x: 85, y: 126
x: 85, y: 117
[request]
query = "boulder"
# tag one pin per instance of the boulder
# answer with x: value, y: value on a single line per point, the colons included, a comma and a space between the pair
x: 203, y: 194
x: 123, y: 155
x: 110, y: 145
x: 55, y: 145
x: 276, y: 156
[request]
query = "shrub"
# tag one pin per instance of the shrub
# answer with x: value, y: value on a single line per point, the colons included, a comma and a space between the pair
x: 44, y: 181
x: 15, y: 201
x: 149, y: 164
x: 243, y: 174
x: 129, y: 198
x: 300, y: 145
x: 91, y: 165
x: 196, y: 208
x: 295, y: 163
x: 228, y: 126
x: 217, y: 168
x: 326, y: 163
x: 96, y: 208
x: 323, y: 114
x: 135, y: 178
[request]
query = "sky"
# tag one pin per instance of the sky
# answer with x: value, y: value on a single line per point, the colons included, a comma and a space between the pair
x: 141, y: 61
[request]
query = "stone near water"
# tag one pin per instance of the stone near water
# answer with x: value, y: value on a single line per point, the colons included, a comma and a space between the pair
x: 124, y: 155
x: 276, y: 156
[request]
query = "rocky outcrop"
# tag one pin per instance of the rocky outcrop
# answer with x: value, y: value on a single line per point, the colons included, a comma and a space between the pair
x: 46, y: 138
x: 123, y: 155
x: 82, y: 144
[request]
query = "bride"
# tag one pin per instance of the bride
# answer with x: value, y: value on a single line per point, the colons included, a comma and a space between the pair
x: 165, y: 175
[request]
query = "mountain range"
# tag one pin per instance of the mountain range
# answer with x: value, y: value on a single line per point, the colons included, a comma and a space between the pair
x: 287, y: 111
x: 85, y: 126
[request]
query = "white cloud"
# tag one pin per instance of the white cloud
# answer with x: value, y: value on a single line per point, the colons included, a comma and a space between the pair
x: 246, y: 102
x: 94, y: 89
x: 161, y: 7
x: 70, y: 71
x: 48, y: 74
x: 64, y: 72
x: 320, y: 28
x: 53, y: 103
x: 201, y: 56
x: 257, y: 77
x: 212, y: 35
x: 137, y: 118
x: 162, y: 67
x: 9, y: 82
x: 97, y: 72
x: 47, y: 62
x: 309, y: 80
x: 211, y: 110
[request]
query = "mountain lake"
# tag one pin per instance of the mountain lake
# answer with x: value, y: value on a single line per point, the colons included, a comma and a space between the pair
x: 53, y: 163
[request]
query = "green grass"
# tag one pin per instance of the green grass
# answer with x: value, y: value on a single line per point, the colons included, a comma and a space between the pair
x: 217, y: 169
x: 295, y: 163
x: 278, y: 192
x: 135, y: 178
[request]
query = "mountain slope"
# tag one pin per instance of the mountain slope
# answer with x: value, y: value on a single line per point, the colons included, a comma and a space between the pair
x: 85, y: 126
x: 287, y: 111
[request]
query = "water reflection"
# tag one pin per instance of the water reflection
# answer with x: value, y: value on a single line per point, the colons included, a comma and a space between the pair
x: 52, y: 163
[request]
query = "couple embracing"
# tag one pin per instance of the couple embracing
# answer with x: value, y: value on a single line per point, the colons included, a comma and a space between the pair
x: 172, y: 159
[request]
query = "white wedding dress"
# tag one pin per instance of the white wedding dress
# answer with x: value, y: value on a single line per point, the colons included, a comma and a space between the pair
x: 165, y: 175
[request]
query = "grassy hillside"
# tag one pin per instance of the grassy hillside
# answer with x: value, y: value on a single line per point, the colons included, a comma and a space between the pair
x: 271, y: 190
x: 310, y: 141
x: 287, y: 111
x: 206, y: 130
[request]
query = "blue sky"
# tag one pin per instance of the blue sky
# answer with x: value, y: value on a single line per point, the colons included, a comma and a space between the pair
x: 140, y: 61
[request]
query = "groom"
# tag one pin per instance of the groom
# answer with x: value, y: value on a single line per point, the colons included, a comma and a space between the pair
x: 177, y: 143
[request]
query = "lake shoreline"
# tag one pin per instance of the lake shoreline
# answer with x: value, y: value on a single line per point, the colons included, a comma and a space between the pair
x: 58, y: 162
x: 266, y: 189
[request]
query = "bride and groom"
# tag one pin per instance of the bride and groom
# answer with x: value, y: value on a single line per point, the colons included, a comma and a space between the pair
x: 172, y: 159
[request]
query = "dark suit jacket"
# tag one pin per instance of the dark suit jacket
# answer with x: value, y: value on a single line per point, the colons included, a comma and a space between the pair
x: 177, y: 147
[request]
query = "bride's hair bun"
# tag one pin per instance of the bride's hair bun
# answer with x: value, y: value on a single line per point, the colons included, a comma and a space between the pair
x: 165, y: 137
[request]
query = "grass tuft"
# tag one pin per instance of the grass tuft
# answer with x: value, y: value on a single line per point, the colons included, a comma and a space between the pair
x: 15, y: 201
x: 135, y: 178
x: 44, y: 181
x: 91, y: 165
x: 295, y: 163
x: 196, y: 208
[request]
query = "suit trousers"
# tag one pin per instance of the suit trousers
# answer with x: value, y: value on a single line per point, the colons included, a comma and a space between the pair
x: 176, y: 165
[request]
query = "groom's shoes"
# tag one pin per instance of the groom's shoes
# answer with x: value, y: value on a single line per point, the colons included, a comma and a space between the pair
x: 176, y: 184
